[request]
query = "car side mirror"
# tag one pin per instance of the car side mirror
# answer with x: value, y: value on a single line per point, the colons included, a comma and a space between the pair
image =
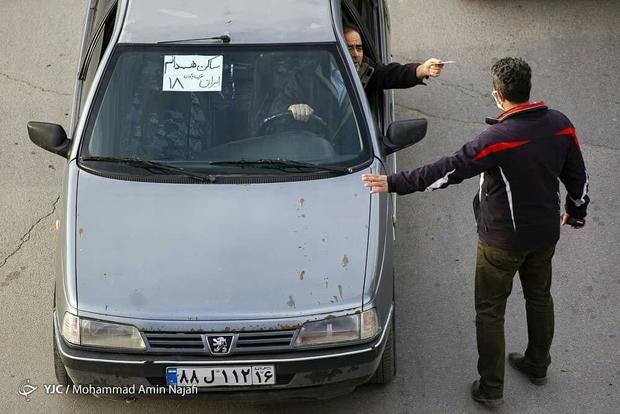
x: 402, y: 134
x: 50, y: 137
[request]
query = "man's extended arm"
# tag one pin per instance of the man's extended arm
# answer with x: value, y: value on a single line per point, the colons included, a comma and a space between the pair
x: 473, y: 158
x: 398, y: 76
x: 470, y: 160
x: 395, y: 76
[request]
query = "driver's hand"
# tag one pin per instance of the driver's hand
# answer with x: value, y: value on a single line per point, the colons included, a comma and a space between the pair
x: 301, y: 112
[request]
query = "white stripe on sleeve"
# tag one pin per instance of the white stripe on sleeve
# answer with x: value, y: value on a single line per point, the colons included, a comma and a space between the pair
x: 509, y: 193
x: 582, y: 200
x: 437, y: 184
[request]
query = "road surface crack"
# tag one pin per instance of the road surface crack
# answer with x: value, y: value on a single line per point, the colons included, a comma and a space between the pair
x: 30, y: 85
x: 26, y: 237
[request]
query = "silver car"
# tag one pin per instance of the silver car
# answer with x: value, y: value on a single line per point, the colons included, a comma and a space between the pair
x: 208, y: 237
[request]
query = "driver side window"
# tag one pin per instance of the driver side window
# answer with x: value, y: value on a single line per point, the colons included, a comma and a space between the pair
x: 361, y: 15
x: 100, y: 42
x: 367, y: 11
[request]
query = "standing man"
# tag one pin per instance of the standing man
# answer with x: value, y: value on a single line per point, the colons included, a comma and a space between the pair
x: 520, y: 158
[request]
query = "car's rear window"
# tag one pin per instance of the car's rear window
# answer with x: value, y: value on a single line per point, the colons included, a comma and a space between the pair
x: 191, y: 107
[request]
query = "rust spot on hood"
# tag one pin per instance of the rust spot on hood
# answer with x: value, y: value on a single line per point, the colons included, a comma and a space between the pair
x: 301, y: 275
x: 291, y: 302
x: 345, y: 261
x: 287, y: 326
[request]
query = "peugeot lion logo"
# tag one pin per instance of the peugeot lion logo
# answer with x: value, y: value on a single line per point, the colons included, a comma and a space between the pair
x: 219, y: 344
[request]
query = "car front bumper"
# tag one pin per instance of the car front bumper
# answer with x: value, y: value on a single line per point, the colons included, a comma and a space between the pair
x: 318, y: 373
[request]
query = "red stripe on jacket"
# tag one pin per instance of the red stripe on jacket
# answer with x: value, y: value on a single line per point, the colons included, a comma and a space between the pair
x: 499, y: 147
x: 571, y: 133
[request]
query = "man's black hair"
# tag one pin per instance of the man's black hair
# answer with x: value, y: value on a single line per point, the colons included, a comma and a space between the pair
x: 348, y: 28
x: 512, y: 77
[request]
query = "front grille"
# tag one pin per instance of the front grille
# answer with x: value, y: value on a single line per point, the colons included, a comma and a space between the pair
x: 193, y: 343
x: 264, y: 341
x: 173, y: 342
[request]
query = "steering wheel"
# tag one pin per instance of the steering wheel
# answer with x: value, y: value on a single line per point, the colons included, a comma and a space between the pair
x: 313, y: 120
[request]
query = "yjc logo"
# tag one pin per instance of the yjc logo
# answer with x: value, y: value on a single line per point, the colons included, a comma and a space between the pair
x: 25, y: 389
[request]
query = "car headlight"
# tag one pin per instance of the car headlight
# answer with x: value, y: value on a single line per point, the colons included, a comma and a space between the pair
x: 350, y: 328
x: 89, y: 332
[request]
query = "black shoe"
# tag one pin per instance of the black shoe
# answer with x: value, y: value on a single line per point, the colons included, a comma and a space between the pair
x: 480, y: 396
x: 517, y: 361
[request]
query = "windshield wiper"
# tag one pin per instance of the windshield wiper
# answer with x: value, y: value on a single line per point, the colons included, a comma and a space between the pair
x: 225, y: 38
x: 152, y: 166
x: 283, y: 164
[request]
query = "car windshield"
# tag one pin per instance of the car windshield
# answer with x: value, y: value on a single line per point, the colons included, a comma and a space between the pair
x: 199, y: 108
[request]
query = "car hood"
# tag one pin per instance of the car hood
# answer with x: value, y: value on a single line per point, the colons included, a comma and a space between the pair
x: 220, y: 251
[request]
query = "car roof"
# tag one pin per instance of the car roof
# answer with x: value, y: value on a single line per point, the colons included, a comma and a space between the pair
x: 246, y: 21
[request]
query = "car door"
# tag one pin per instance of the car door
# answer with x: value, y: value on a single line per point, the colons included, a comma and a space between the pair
x: 372, y: 18
x: 387, y: 100
x: 384, y: 42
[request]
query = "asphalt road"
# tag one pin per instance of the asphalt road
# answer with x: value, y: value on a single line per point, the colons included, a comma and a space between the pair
x: 572, y: 48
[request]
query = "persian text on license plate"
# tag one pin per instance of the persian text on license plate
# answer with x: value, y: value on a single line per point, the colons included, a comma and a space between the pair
x: 221, y: 376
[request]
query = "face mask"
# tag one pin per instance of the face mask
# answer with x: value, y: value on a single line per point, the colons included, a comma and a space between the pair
x: 497, y: 101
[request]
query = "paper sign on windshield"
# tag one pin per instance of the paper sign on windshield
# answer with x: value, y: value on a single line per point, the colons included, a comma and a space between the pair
x: 193, y: 73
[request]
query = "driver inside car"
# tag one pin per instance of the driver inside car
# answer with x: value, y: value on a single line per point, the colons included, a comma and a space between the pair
x: 333, y: 81
x: 318, y: 83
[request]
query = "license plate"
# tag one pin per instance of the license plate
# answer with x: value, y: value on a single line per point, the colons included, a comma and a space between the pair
x: 221, y: 376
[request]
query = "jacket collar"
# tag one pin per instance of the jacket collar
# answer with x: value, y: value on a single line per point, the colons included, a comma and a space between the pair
x: 529, y: 107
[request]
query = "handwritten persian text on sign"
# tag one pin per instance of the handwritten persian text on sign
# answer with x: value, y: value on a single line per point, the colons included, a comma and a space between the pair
x: 193, y: 73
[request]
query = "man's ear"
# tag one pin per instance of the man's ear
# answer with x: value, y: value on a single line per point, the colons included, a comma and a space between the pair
x: 500, y: 96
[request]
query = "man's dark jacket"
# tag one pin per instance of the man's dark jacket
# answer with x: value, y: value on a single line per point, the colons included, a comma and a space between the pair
x: 392, y: 76
x: 520, y: 160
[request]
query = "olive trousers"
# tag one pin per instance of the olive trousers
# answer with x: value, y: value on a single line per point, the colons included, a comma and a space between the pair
x: 495, y: 269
